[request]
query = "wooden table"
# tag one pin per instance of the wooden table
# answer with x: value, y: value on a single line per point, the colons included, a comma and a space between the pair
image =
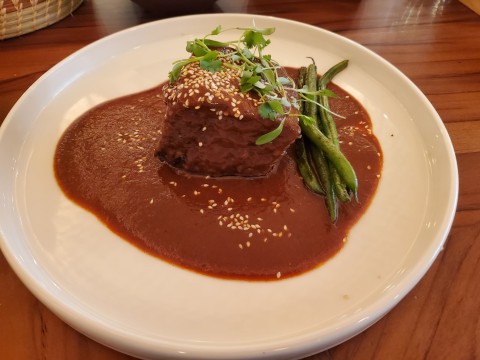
x: 434, y: 42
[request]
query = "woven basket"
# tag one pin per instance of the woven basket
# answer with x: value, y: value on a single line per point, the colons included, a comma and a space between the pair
x: 18, y: 17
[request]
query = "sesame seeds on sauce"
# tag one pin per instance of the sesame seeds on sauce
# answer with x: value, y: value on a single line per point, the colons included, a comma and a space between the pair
x: 237, y: 218
x: 250, y: 229
x: 234, y: 215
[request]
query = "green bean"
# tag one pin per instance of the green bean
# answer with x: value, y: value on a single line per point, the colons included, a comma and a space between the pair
x: 303, y: 164
x: 331, y: 173
x: 311, y: 81
x: 327, y: 120
x: 302, y: 76
x: 303, y: 159
x: 336, y: 157
x: 339, y: 187
x: 322, y: 166
x: 331, y: 73
x: 330, y: 128
x: 321, y: 163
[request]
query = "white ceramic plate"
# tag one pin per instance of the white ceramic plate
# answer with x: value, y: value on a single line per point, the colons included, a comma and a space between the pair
x: 140, y: 305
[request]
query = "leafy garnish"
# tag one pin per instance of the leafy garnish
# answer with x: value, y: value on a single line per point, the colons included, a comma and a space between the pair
x: 255, y: 38
x: 271, y: 109
x: 258, y: 72
x: 217, y: 30
x: 208, y: 58
x: 284, y: 81
x: 270, y: 136
x: 211, y: 65
x: 276, y: 105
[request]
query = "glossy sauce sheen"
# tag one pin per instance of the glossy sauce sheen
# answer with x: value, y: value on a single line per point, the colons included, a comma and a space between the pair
x: 253, y: 229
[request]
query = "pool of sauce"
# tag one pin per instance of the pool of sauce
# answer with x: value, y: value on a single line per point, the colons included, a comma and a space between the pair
x: 252, y: 229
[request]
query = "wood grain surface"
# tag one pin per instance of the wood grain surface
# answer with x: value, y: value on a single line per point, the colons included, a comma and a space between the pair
x: 436, y: 43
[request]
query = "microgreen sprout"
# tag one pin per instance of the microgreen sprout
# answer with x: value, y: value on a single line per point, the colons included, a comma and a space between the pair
x: 258, y: 72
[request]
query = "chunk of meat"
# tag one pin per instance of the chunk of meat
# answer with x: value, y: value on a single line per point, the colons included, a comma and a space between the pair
x: 211, y: 127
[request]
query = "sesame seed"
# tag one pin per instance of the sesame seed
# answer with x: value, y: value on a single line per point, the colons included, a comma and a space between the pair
x: 279, y: 274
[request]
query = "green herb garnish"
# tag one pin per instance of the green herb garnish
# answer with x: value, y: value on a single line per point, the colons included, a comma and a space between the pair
x: 258, y: 72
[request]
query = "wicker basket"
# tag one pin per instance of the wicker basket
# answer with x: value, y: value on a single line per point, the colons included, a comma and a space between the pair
x: 18, y: 17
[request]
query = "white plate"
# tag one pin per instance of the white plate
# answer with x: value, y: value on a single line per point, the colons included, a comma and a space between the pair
x: 112, y: 292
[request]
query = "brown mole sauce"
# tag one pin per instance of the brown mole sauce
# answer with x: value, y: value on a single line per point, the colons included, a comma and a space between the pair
x: 252, y: 229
